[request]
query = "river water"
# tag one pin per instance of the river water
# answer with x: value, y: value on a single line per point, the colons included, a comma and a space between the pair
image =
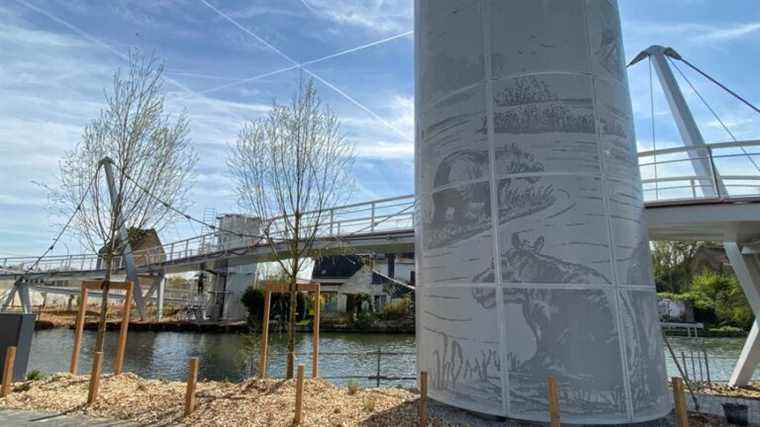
x: 232, y: 356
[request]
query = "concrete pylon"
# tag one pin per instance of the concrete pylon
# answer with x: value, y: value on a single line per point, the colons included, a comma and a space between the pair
x: 532, y: 248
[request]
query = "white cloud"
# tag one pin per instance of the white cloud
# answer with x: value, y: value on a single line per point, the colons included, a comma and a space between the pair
x: 380, y: 16
x: 733, y: 32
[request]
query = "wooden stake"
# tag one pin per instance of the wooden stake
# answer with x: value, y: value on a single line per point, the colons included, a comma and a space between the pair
x: 192, y: 379
x: 95, y: 377
x: 126, y: 308
x: 315, y: 337
x: 679, y: 400
x: 299, y: 396
x: 423, y: 406
x: 10, y: 358
x: 553, y: 402
x: 265, y: 335
x: 78, y: 331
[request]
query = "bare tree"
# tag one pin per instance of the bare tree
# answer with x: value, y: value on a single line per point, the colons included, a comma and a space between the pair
x: 289, y: 168
x: 149, y: 151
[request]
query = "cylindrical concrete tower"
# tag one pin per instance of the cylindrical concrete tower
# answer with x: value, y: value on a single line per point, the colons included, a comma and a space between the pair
x: 532, y: 251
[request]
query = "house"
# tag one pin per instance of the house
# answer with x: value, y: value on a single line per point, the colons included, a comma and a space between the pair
x: 353, y: 283
x: 139, y: 241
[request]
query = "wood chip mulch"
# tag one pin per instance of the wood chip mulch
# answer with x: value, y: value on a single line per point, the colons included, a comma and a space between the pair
x: 751, y: 391
x: 255, y: 402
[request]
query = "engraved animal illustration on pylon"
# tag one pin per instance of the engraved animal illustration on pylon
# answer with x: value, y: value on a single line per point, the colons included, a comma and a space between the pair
x: 524, y: 263
x: 592, y: 380
x: 465, y: 211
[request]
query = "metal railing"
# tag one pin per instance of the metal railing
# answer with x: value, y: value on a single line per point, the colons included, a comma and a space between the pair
x: 714, y: 172
x: 375, y: 376
x: 729, y: 170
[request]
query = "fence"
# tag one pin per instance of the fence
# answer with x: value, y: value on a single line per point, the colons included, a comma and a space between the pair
x: 377, y: 374
x: 714, y: 171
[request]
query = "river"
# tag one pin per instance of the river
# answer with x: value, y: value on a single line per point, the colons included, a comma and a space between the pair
x: 230, y: 356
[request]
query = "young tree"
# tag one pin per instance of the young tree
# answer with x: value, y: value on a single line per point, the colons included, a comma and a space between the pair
x: 146, y: 146
x: 289, y: 168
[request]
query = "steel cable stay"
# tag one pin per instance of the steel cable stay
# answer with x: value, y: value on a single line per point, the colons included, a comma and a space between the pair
x: 714, y: 113
x: 10, y: 294
x: 184, y: 214
x: 64, y: 228
x: 721, y: 85
x: 339, y: 239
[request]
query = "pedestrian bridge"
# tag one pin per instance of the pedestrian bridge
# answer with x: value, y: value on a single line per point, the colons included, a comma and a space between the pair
x: 681, y: 204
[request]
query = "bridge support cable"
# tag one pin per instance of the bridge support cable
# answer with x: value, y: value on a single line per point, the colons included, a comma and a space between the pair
x: 712, y: 111
x: 20, y: 284
x: 186, y: 215
x: 721, y: 85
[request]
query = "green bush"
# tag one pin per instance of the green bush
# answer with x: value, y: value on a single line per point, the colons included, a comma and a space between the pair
x: 253, y: 300
x: 364, y: 320
x: 35, y: 375
x: 397, y: 309
x: 720, y: 297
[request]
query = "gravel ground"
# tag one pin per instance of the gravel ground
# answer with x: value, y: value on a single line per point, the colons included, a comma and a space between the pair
x: 253, y: 402
x: 131, y: 400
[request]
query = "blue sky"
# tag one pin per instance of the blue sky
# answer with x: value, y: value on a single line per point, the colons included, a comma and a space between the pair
x: 56, y: 58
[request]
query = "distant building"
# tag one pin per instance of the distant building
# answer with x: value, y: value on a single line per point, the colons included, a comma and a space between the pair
x: 140, y: 240
x: 345, y: 279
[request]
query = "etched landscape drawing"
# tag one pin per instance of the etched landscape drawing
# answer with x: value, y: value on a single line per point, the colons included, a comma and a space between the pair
x: 463, y: 361
x: 546, y: 103
x: 555, y: 238
x: 645, y: 355
x: 630, y: 235
x: 606, y: 41
x: 454, y: 151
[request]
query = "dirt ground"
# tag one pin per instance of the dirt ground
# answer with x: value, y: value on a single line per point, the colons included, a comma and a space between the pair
x: 254, y: 402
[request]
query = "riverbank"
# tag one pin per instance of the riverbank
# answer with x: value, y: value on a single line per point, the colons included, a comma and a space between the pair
x: 60, y: 318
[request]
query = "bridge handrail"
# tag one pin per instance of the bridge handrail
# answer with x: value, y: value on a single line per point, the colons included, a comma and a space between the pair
x: 397, y: 212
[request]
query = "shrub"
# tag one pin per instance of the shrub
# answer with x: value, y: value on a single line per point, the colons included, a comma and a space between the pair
x: 397, y: 309
x: 364, y: 320
x: 721, y: 296
x: 253, y: 300
x: 35, y: 375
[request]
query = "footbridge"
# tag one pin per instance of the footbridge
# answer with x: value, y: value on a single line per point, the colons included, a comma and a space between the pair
x: 681, y: 204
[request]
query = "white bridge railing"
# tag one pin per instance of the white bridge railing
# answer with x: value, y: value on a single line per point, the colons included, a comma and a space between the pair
x: 728, y: 171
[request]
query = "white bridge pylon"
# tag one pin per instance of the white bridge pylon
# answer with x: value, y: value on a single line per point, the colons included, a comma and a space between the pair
x: 712, y: 185
x: 22, y: 285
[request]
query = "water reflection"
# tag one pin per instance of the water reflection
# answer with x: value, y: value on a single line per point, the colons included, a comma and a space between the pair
x: 235, y: 356
x: 226, y: 356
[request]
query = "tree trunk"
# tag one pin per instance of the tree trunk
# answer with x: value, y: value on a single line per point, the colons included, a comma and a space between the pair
x: 293, y: 288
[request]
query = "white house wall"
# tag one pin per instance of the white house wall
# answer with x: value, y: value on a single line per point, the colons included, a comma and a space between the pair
x: 531, y: 251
